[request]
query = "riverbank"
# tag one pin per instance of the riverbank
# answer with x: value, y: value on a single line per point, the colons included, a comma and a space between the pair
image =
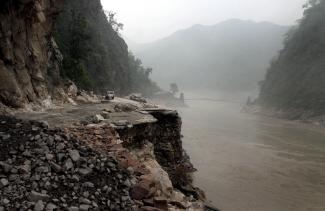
x: 297, y: 115
x: 125, y: 130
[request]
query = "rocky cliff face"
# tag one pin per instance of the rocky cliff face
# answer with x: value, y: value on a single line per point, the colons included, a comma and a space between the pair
x: 29, y: 57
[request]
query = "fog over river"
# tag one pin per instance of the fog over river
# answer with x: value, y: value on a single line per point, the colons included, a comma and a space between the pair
x: 253, y: 163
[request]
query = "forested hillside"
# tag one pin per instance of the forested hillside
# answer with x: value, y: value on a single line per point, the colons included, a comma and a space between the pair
x: 296, y: 79
x: 228, y: 56
x: 95, y: 56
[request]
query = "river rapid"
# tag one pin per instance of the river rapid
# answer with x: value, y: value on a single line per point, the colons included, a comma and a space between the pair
x: 254, y: 163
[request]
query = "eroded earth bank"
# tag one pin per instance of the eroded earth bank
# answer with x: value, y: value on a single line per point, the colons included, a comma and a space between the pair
x: 117, y: 155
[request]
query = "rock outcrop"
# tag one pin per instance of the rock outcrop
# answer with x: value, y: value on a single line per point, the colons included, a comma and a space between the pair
x: 29, y: 57
x: 165, y: 136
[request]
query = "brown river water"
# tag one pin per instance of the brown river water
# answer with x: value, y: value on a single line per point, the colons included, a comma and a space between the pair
x: 253, y: 163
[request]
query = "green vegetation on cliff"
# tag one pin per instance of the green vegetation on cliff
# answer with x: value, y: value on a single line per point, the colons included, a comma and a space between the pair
x: 95, y: 56
x: 296, y: 79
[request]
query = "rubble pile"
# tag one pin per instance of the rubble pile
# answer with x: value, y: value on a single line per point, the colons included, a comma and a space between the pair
x: 150, y: 185
x: 42, y: 168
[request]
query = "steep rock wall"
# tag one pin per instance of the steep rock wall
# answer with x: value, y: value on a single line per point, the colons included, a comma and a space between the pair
x: 29, y: 57
x: 165, y: 135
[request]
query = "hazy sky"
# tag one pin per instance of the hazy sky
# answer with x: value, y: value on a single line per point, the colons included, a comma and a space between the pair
x: 148, y: 20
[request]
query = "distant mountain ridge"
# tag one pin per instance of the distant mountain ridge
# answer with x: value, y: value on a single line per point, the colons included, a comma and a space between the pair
x: 232, y: 55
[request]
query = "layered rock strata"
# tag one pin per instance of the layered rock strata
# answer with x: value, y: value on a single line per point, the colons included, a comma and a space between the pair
x: 29, y: 57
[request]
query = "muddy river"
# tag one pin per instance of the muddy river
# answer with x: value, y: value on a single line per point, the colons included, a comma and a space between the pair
x: 254, y: 163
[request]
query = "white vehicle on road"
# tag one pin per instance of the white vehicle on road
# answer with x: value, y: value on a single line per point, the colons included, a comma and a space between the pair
x: 110, y: 95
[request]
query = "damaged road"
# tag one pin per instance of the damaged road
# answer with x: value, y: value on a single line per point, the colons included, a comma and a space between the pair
x: 143, y: 139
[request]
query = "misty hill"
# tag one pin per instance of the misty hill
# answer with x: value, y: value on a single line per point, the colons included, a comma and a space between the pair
x: 295, y: 81
x: 232, y: 55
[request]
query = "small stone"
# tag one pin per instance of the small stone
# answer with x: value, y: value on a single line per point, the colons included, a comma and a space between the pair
x: 42, y: 169
x: 73, y: 208
x: 148, y: 202
x: 13, y: 152
x: 50, y: 141
x: 148, y: 208
x: 127, y: 183
x: 6, y: 137
x: 34, y: 128
x: 21, y: 148
x: 6, y: 167
x: 49, y: 156
x: 26, y: 168
x: 60, y: 146
x: 86, y: 194
x: 84, y: 171
x: 125, y: 198
x: 39, y: 206
x: 140, y: 191
x: 111, y: 165
x: 68, y: 164
x: 58, y: 138
x: 180, y: 204
x: 160, y: 199
x: 3, y: 182
x: 75, y: 178
x: 130, y: 170
x: 5, y: 201
x: 94, y: 204
x: 45, y: 124
x: 56, y: 167
x: 88, y: 185
x: 74, y: 154
x: 27, y: 153
x: 13, y: 177
x: 98, y: 118
x: 84, y: 201
x: 35, y: 196
x: 50, y: 207
x: 84, y: 207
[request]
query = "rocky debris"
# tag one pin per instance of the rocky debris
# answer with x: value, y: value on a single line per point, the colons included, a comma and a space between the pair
x: 137, y: 98
x: 42, y: 168
x: 124, y: 107
x: 72, y: 89
x: 150, y: 186
x: 5, y: 110
x: 106, y: 114
x: 85, y: 97
x: 121, y: 124
x: 103, y: 138
x: 93, y: 119
x: 98, y: 118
